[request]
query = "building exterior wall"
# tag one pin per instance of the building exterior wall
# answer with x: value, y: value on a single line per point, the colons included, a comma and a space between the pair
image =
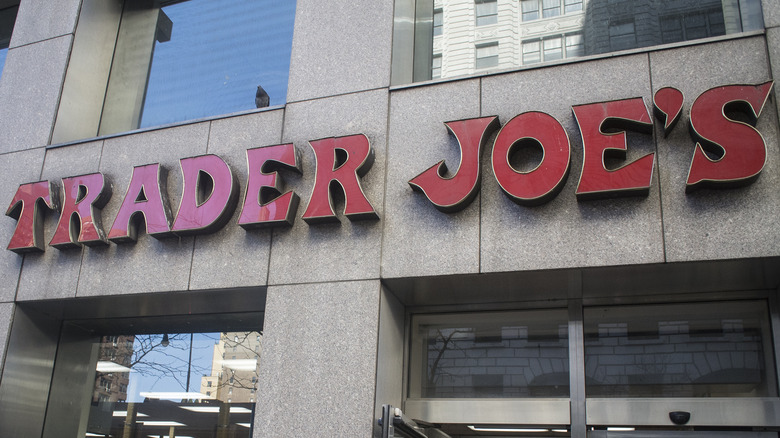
x: 325, y: 282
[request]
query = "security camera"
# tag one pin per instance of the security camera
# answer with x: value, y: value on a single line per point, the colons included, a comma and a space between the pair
x: 679, y: 417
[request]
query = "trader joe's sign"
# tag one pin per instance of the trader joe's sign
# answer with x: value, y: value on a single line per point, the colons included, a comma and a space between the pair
x: 728, y: 153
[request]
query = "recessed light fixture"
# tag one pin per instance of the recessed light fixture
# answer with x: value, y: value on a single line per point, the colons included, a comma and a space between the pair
x: 124, y: 414
x: 165, y: 436
x: 243, y: 424
x: 175, y: 395
x: 507, y: 429
x: 621, y: 429
x: 161, y: 423
x: 105, y: 366
x: 215, y: 409
x: 240, y: 364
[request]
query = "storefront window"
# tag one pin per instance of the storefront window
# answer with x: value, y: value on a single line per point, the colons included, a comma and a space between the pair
x: 679, y: 350
x: 533, y: 32
x: 173, y: 385
x: 173, y: 61
x: 490, y: 355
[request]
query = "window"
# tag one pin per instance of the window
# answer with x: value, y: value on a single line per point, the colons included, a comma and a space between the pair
x: 683, y: 27
x: 487, y: 55
x: 486, y: 12
x: 679, y: 350
x: 551, y: 8
x: 530, y: 9
x: 7, y: 19
x: 552, y: 48
x: 436, y: 67
x: 532, y: 52
x: 622, y: 35
x: 527, y: 355
x: 168, y: 370
x: 570, y: 6
x: 574, y: 45
x: 175, y: 61
x: 582, y: 28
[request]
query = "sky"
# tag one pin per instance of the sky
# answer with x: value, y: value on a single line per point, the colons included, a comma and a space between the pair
x: 219, y: 52
x: 176, y: 354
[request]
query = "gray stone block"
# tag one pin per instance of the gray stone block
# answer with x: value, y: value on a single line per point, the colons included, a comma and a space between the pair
x: 419, y: 239
x: 773, y: 44
x: 771, y: 11
x: 338, y: 48
x: 55, y: 273
x: 318, y: 367
x: 233, y: 256
x: 348, y: 250
x: 714, y: 224
x: 565, y: 232
x: 15, y: 169
x: 6, y: 315
x: 40, y: 20
x: 30, y: 91
x: 149, y: 265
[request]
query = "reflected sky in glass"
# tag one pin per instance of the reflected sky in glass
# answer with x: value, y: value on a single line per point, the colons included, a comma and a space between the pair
x: 164, y: 369
x: 219, y: 52
x: 3, y: 54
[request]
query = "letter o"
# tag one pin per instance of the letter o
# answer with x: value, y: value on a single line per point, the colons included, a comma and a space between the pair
x: 545, y: 181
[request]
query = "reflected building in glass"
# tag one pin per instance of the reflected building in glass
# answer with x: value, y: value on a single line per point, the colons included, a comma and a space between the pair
x: 234, y: 368
x: 480, y: 36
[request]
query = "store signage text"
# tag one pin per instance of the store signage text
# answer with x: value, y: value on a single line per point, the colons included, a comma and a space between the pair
x: 210, y: 190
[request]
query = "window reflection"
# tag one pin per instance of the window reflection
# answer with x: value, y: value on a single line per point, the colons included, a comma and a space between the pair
x: 184, y: 60
x: 506, y: 354
x: 175, y: 385
x: 527, y: 32
x: 679, y: 350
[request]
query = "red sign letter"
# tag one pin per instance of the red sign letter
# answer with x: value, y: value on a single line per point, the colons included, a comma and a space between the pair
x: 740, y: 148
x: 264, y: 203
x: 82, y: 199
x: 145, y: 201
x: 594, y: 119
x: 209, y: 195
x: 27, y: 209
x: 546, y: 180
x: 356, y: 158
x: 455, y: 193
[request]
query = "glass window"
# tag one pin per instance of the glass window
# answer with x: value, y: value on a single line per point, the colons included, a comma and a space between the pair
x: 570, y: 6
x: 7, y: 19
x: 158, y: 383
x: 496, y: 354
x: 553, y: 49
x: 622, y: 35
x: 176, y: 60
x: 486, y: 11
x: 438, y: 22
x: 574, y: 45
x: 436, y: 67
x: 679, y: 350
x: 530, y: 9
x: 585, y: 28
x: 551, y: 8
x: 487, y: 55
x: 532, y: 52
